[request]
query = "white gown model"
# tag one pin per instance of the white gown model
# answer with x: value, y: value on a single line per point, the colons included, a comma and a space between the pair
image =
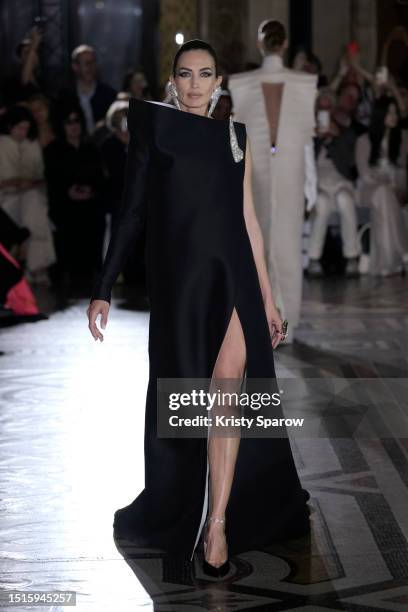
x: 279, y: 178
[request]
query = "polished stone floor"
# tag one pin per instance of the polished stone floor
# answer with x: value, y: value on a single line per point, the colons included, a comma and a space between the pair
x: 71, y: 452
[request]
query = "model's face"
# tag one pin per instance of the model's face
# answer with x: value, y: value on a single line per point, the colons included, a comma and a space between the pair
x: 20, y: 131
x: 195, y: 80
x: 391, y: 118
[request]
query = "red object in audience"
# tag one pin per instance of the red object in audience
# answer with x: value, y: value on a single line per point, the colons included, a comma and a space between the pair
x: 353, y: 48
x: 20, y: 298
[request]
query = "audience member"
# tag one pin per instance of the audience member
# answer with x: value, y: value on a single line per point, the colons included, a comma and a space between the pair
x: 75, y: 186
x: 352, y: 73
x: 305, y: 61
x: 11, y: 237
x: 94, y: 96
x: 384, y: 85
x: 40, y: 107
x: 345, y: 113
x: 18, y: 87
x: 336, y: 173
x: 136, y: 85
x: 382, y: 164
x: 22, y: 190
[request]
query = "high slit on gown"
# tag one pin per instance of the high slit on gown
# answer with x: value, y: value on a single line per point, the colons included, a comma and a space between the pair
x: 183, y: 183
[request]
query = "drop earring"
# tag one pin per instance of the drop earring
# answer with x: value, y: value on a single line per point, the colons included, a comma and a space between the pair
x: 214, y: 99
x: 174, y: 95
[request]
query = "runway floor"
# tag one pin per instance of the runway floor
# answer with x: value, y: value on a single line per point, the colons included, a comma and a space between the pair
x: 71, y: 453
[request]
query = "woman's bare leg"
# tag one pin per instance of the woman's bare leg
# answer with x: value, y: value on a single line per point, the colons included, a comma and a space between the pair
x: 223, y: 451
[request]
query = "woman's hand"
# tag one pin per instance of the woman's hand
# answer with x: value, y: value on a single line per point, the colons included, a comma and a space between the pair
x: 96, y: 308
x: 275, y: 323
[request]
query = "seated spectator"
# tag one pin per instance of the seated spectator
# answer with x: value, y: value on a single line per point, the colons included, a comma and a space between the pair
x: 75, y: 181
x: 12, y: 236
x: 10, y: 275
x: 17, y: 302
x: 40, y: 107
x: 310, y: 63
x: 94, y: 96
x: 348, y: 100
x: 136, y: 85
x: 384, y: 85
x: 103, y: 128
x: 22, y: 190
x: 381, y: 157
x: 334, y: 150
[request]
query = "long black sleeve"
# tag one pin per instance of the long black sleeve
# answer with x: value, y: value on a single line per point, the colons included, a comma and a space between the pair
x: 132, y: 213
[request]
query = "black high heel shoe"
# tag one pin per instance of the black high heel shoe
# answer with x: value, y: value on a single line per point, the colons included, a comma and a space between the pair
x: 212, y: 570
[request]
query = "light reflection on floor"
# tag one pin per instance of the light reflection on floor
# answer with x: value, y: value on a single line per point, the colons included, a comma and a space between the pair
x: 71, y: 453
x: 72, y: 416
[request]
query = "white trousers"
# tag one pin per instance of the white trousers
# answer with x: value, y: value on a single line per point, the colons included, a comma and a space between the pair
x: 329, y: 200
x: 29, y: 209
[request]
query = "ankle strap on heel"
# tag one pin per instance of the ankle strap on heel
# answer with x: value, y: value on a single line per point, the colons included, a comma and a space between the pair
x: 215, y: 519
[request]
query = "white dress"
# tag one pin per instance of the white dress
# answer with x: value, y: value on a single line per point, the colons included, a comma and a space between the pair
x: 382, y: 187
x: 27, y: 208
x: 279, y: 179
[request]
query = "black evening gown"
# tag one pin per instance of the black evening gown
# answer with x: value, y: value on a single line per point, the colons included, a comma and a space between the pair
x: 183, y: 183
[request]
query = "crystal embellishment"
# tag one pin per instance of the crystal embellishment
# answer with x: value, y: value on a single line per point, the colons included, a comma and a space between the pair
x: 237, y: 152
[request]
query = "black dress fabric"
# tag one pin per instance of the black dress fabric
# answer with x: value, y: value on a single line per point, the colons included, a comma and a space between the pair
x: 183, y: 183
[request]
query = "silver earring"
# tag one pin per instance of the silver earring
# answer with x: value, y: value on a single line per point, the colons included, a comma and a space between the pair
x: 174, y: 95
x: 214, y: 99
